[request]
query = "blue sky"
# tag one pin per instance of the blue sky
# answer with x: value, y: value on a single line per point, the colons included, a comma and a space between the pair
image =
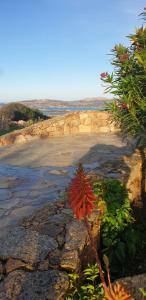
x: 57, y: 48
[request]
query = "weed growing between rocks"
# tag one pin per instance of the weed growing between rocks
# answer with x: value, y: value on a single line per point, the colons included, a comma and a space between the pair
x: 90, y: 288
x: 143, y: 292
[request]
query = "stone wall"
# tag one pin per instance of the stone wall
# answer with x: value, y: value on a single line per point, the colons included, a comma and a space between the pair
x: 74, y: 123
x: 37, y: 255
x: 136, y: 181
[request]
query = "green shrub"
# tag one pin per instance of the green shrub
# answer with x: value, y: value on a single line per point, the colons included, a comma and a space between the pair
x: 10, y: 129
x: 128, y: 84
x: 119, y: 236
x: 17, y: 111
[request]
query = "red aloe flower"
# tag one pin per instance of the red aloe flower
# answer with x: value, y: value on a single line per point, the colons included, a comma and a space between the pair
x: 104, y: 75
x: 80, y: 194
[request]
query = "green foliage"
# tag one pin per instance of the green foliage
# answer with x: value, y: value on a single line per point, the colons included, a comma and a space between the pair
x: 123, y: 241
x: 88, y: 288
x: 128, y: 84
x: 17, y: 111
x: 117, y: 210
x: 118, y: 237
x: 143, y: 292
x: 10, y: 129
x: 139, y: 265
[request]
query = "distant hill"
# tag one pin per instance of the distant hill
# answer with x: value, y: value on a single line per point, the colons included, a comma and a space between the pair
x: 15, y: 115
x: 16, y: 111
x: 46, y: 103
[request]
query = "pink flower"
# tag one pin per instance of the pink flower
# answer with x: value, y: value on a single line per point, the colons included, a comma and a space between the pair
x: 124, y: 105
x: 104, y: 75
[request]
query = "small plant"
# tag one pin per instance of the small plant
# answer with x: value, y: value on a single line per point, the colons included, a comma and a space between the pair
x: 89, y: 288
x: 143, y: 292
x: 119, y: 238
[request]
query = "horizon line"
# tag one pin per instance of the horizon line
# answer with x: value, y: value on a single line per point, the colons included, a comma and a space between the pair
x: 50, y: 99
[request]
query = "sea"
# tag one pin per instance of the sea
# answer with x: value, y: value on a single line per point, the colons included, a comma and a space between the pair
x: 57, y: 111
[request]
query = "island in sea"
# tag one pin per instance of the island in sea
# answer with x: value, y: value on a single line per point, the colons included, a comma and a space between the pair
x: 20, y: 114
x: 60, y: 107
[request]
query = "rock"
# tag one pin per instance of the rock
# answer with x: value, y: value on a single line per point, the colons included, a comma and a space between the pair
x: 20, y: 139
x: 70, y: 260
x: 5, y: 194
x: 43, y: 265
x: 26, y: 245
x: 10, y: 182
x: 40, y: 216
x: 55, y: 257
x: 76, y: 236
x: 45, y: 228
x: 60, y: 239
x: 7, y: 181
x: 84, y: 115
x: 67, y: 211
x: 77, y: 243
x: 46, y: 221
x: 85, y: 128
x: 134, y: 182
x: 50, y: 229
x: 134, y: 283
x: 59, y: 219
x: 14, y: 264
x: 9, y: 203
x: 21, y: 285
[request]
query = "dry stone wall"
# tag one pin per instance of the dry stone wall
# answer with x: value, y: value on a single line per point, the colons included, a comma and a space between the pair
x: 74, y: 123
x: 37, y: 255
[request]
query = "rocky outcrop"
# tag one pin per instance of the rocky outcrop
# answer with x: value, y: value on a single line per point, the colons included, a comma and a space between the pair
x: 74, y: 123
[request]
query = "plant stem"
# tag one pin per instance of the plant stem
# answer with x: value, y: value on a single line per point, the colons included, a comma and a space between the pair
x: 96, y: 255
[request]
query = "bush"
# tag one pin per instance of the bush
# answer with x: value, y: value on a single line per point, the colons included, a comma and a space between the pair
x: 128, y: 84
x: 122, y: 240
x: 17, y: 111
